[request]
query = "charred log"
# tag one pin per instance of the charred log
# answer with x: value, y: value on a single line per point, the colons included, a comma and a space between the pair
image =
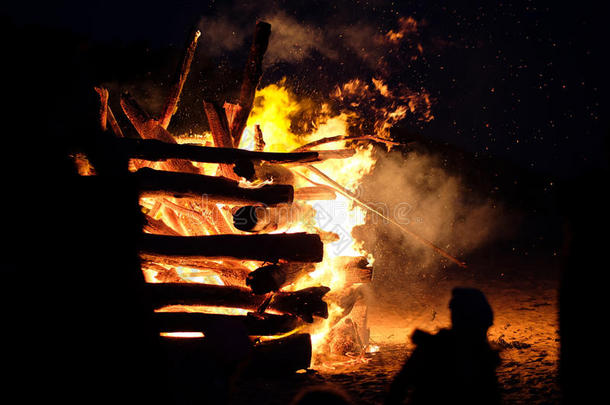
x: 298, y: 247
x: 221, y: 133
x: 305, y: 303
x: 231, y: 271
x: 255, y: 324
x: 155, y: 183
x: 251, y: 78
x: 281, y: 356
x: 314, y: 193
x: 156, y: 226
x: 275, y: 276
x: 171, y: 105
x: 155, y: 150
x: 257, y: 218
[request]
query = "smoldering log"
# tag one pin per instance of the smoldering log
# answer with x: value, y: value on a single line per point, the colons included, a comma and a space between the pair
x: 255, y: 324
x: 221, y: 133
x: 259, y: 140
x: 156, y: 183
x: 275, y: 276
x: 251, y: 78
x: 149, y: 128
x: 171, y: 105
x: 103, y: 93
x: 230, y: 271
x: 297, y: 247
x: 339, y: 138
x: 305, y: 303
x: 156, y: 226
x: 280, y: 356
x: 314, y: 193
x: 257, y: 218
x: 155, y: 150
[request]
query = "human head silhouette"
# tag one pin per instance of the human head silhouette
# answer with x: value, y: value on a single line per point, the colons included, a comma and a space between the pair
x: 470, y: 311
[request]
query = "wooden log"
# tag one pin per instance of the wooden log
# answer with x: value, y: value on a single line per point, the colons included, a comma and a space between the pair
x: 149, y: 128
x: 305, y: 303
x: 255, y: 324
x: 339, y: 138
x: 171, y: 105
x: 272, y: 358
x: 257, y: 218
x: 231, y: 111
x: 251, y: 78
x: 155, y: 150
x: 230, y: 271
x: 279, y: 357
x: 156, y: 226
x: 314, y: 193
x: 221, y: 133
x: 114, y: 124
x: 210, y: 189
x: 103, y: 93
x: 275, y: 276
x: 259, y: 141
x: 298, y: 247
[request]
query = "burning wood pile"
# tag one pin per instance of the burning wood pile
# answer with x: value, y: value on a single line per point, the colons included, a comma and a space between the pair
x: 235, y: 232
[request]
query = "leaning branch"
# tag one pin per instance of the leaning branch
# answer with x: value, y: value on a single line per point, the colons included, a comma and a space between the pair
x: 171, y: 105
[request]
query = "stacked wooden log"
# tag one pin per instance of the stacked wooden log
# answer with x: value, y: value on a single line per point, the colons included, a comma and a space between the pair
x: 216, y: 224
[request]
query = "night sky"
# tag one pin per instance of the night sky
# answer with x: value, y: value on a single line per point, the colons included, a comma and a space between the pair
x: 516, y: 81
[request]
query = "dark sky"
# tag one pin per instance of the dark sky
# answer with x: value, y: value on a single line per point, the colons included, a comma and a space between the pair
x: 519, y: 81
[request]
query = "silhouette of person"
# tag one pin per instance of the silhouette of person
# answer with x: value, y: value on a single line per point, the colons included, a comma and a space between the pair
x: 453, y: 366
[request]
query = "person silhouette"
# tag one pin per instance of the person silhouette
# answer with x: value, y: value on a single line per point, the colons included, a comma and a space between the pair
x: 453, y: 366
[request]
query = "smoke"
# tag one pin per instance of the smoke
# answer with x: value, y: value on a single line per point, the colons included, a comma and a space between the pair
x: 417, y: 192
x: 293, y: 40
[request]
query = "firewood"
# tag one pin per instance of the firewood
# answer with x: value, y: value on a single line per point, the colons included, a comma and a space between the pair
x: 281, y: 356
x: 156, y: 226
x: 201, y: 222
x: 257, y: 218
x: 156, y: 183
x: 103, y: 93
x: 256, y: 325
x: 314, y: 193
x: 275, y: 276
x: 154, y: 150
x: 297, y: 247
x: 251, y: 78
x: 230, y: 271
x: 344, y: 138
x: 171, y: 105
x: 220, y: 132
x: 259, y: 141
x: 149, y: 128
x: 305, y: 303
x: 276, y: 357
x: 231, y: 111
x: 114, y: 124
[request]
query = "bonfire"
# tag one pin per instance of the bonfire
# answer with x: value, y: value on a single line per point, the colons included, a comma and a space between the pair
x: 251, y: 223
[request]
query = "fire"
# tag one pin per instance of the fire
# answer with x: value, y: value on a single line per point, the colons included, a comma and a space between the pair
x: 275, y: 110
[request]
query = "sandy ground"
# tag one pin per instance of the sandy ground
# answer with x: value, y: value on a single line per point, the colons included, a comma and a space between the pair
x: 525, y: 331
